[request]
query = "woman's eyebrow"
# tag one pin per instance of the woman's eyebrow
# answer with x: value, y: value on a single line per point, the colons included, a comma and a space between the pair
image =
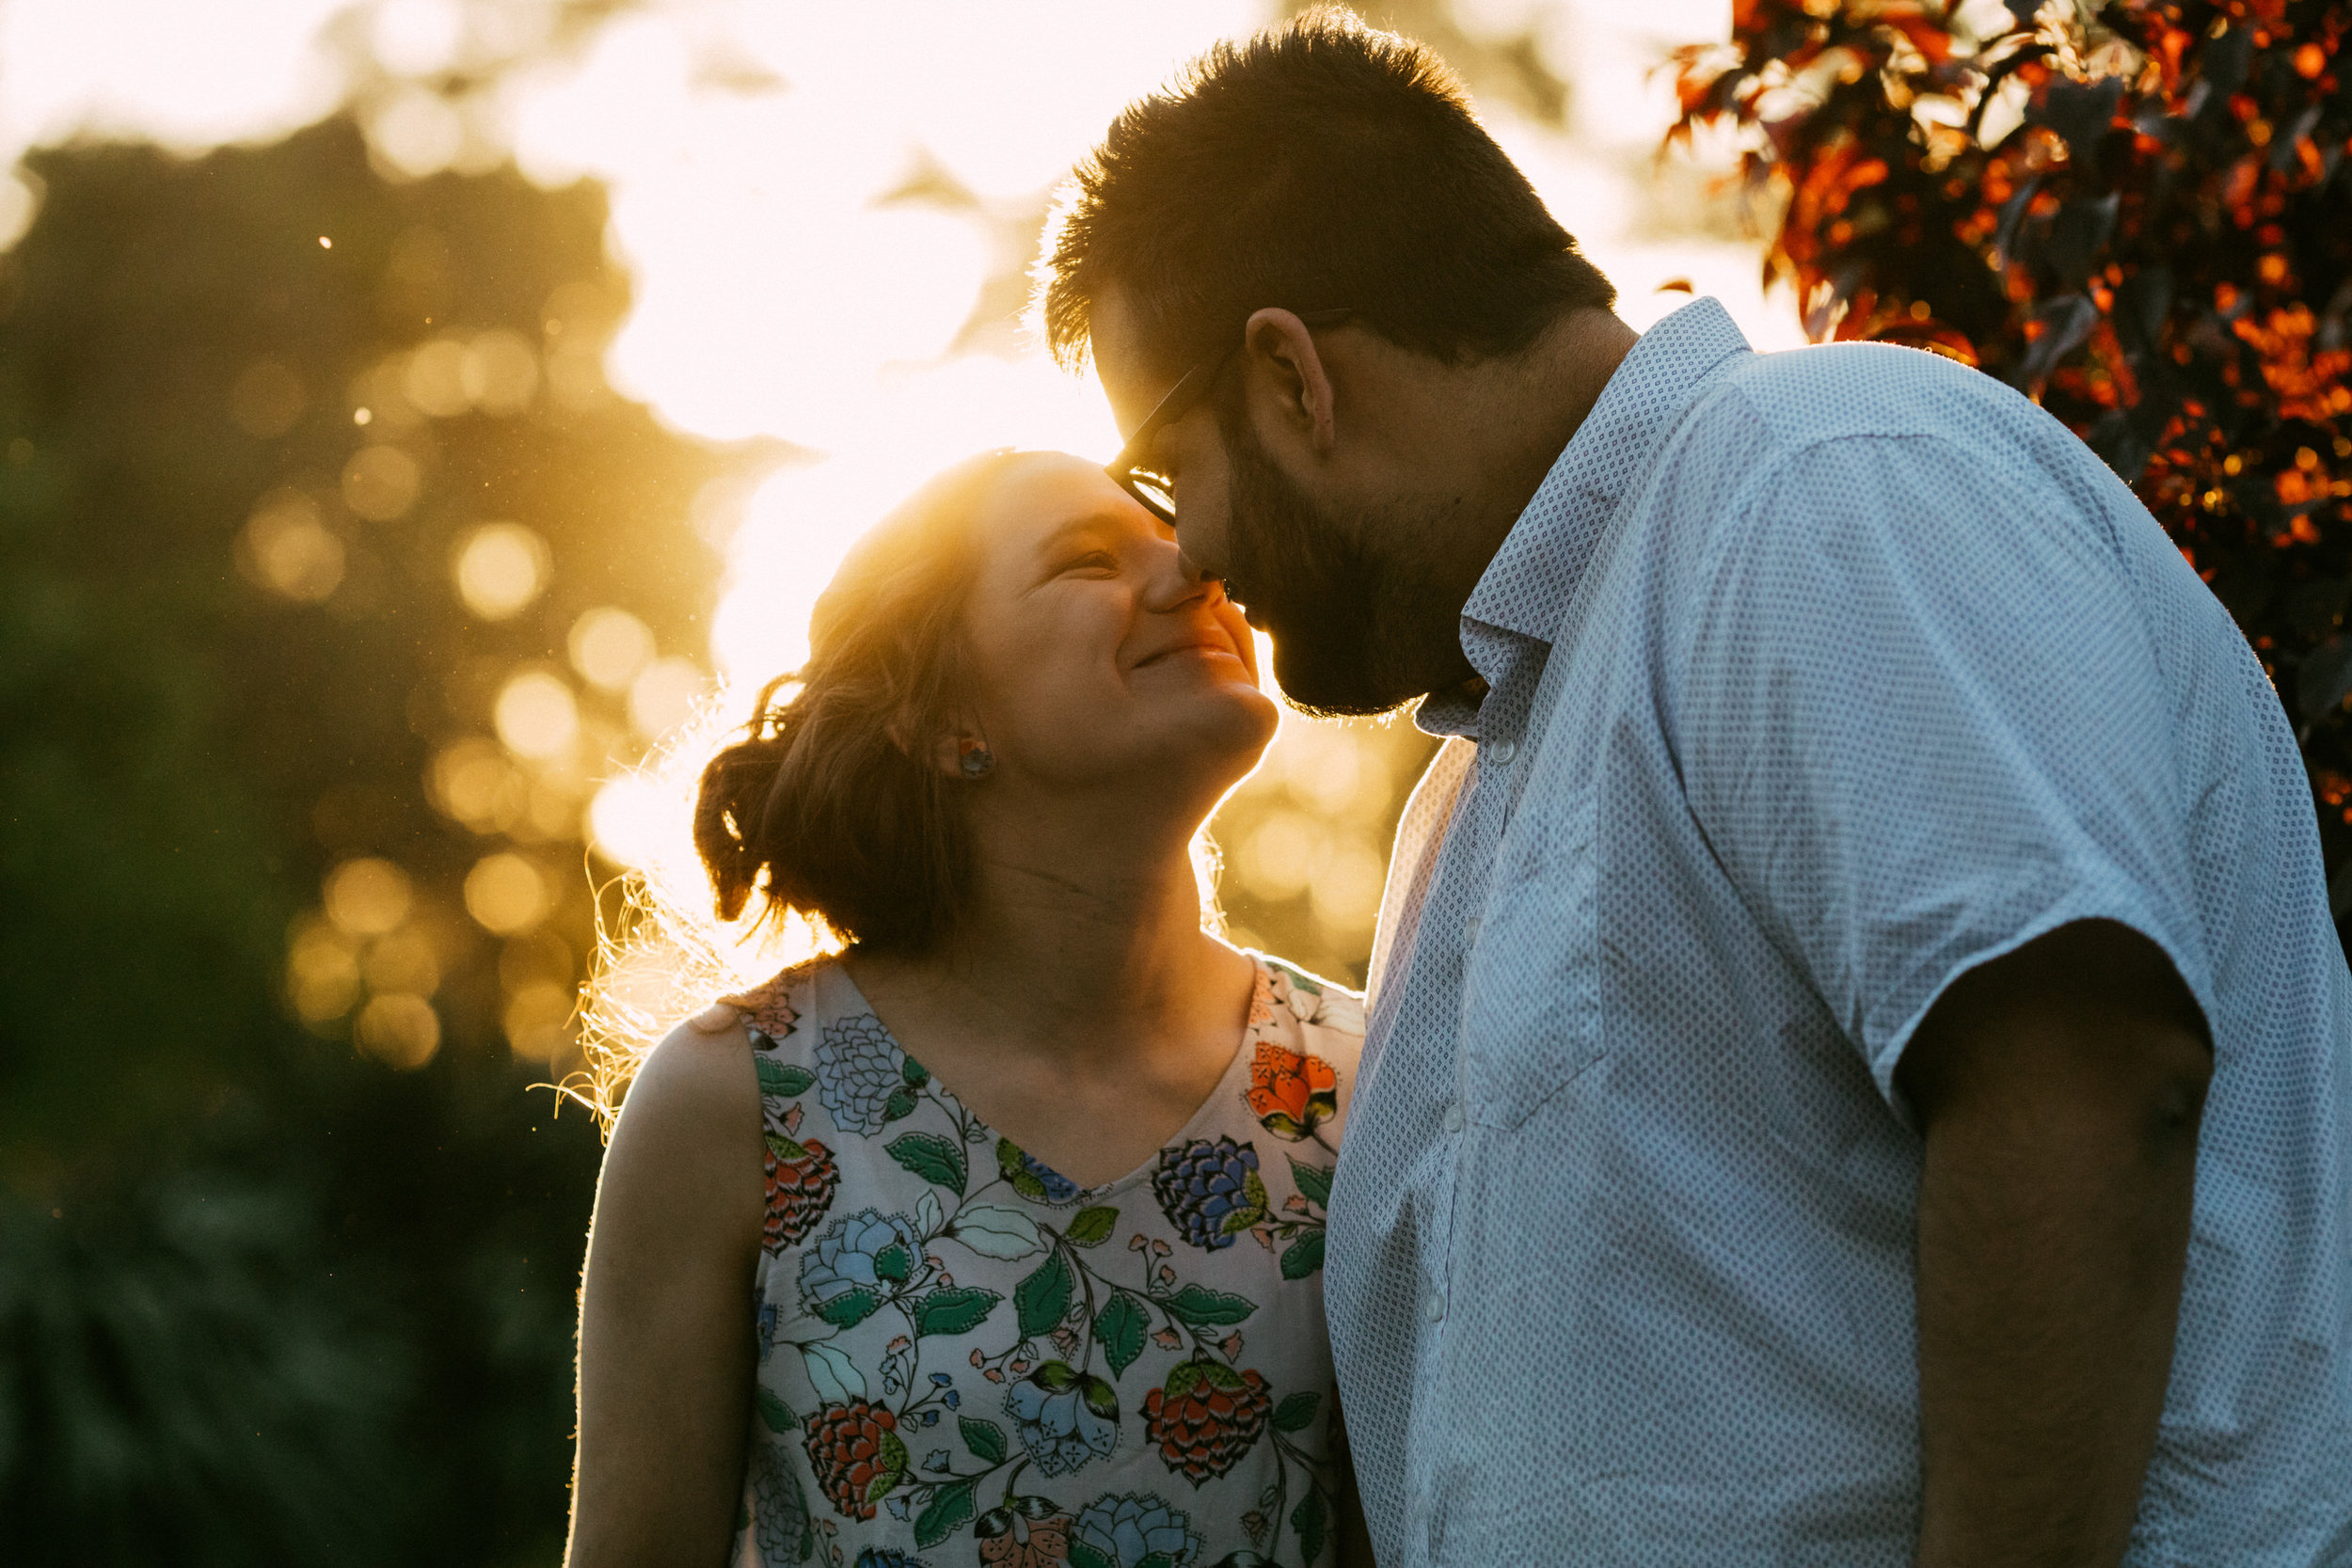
x: 1079, y: 526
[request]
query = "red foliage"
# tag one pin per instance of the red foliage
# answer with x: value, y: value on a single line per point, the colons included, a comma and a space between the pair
x: 2144, y: 220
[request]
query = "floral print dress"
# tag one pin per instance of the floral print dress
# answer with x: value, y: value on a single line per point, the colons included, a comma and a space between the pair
x: 967, y: 1358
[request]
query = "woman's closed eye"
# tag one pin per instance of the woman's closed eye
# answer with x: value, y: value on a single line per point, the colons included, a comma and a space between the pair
x: 1092, y: 561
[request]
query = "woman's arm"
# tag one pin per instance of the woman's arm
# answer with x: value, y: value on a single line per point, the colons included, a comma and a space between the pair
x: 666, y: 1353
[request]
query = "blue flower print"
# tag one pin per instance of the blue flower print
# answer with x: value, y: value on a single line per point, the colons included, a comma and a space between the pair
x: 885, y: 1557
x: 860, y: 1069
x: 867, y: 1251
x: 1128, y: 1527
x: 780, y: 1522
x: 1066, y: 1418
x: 1210, y: 1190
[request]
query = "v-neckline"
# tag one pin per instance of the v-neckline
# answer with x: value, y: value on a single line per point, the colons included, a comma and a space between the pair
x: 1195, y: 1126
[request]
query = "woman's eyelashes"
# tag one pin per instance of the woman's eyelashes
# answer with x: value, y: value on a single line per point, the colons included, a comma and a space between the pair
x: 1100, y: 562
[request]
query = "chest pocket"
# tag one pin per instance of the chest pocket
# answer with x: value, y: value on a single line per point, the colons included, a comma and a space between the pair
x: 1531, y: 994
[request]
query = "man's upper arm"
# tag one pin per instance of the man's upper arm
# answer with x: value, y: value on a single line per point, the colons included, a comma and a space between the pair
x: 1923, y: 724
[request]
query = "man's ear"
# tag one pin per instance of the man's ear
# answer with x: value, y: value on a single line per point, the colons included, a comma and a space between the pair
x: 1281, y: 357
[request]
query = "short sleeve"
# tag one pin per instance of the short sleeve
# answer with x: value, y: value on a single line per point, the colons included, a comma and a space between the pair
x: 1921, y: 723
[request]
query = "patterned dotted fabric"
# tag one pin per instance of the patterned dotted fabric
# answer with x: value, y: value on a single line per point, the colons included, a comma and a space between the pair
x: 966, y: 1357
x: 1812, y: 680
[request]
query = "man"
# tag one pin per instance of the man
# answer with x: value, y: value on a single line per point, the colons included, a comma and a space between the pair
x: 1859, y: 1066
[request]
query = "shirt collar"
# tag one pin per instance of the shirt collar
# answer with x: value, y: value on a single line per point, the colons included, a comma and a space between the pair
x: 1451, y: 711
x: 1526, y: 587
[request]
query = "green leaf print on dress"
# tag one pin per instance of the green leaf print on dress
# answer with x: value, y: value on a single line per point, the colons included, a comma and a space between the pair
x: 1043, y: 1298
x: 1118, y: 1328
x: 957, y: 1367
x: 985, y: 1439
x: 933, y: 1158
x: 956, y: 1309
x: 950, y: 1508
x: 782, y: 1080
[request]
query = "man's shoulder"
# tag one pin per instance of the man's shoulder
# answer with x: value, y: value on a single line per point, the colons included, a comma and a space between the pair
x: 1760, y: 444
x: 1769, y: 407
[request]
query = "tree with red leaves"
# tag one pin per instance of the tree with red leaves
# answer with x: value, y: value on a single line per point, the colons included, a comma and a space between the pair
x: 2139, y: 213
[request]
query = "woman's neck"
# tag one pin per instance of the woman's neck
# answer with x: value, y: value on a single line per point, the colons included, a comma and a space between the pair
x: 1080, y: 937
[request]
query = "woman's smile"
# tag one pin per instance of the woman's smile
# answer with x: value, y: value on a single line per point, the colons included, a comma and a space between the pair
x: 1210, y: 643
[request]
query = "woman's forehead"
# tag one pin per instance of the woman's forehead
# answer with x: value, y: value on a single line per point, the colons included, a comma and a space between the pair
x: 1042, y: 494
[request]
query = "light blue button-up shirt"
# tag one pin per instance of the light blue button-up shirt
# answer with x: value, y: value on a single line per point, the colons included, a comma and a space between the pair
x: 1813, y: 680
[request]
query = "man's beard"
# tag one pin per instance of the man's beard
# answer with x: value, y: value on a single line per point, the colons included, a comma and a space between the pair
x: 1334, y: 608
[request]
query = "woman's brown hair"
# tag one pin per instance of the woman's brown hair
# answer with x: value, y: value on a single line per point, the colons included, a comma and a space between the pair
x: 825, y: 815
x: 833, y: 806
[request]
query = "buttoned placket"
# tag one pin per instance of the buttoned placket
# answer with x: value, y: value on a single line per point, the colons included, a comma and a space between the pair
x: 1524, y: 602
x: 1512, y: 665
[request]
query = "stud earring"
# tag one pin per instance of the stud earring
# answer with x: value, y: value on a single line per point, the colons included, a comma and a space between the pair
x: 978, y: 761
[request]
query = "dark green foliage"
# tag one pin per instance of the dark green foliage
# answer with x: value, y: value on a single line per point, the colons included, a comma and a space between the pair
x: 176, y: 1377
x: 262, y: 1301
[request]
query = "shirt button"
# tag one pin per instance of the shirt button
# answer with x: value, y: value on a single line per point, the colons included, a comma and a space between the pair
x: 1499, y: 753
x: 1454, y: 1117
x: 1437, y: 1305
x: 1470, y: 932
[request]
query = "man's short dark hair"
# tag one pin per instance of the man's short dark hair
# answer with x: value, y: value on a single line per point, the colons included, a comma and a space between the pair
x: 1318, y: 164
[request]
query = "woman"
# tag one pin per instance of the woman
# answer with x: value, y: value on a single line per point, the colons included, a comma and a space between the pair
x: 1026, y: 1184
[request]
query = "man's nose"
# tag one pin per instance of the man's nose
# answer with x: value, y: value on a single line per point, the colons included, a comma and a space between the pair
x: 1177, y: 580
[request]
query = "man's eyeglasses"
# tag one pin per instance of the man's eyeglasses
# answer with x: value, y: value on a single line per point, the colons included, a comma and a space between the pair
x: 1131, y: 469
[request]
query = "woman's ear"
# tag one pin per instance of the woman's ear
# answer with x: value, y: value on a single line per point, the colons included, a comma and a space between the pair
x: 961, y: 756
x: 938, y: 752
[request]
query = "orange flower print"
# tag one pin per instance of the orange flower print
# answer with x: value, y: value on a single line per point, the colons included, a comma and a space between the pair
x: 1261, y: 1000
x: 1010, y: 1538
x: 1291, y: 1092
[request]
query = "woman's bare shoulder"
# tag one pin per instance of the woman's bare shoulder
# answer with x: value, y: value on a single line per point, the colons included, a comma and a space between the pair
x: 700, y: 1069
x: 688, y: 1129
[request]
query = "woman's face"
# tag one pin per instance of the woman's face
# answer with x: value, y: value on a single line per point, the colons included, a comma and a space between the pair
x: 1100, y: 660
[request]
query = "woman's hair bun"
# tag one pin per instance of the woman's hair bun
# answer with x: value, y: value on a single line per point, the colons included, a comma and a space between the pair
x: 831, y: 805
x: 737, y: 786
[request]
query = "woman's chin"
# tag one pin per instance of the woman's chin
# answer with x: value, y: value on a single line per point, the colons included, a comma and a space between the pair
x: 1242, y: 691
x: 1224, y: 729
x: 1251, y: 723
